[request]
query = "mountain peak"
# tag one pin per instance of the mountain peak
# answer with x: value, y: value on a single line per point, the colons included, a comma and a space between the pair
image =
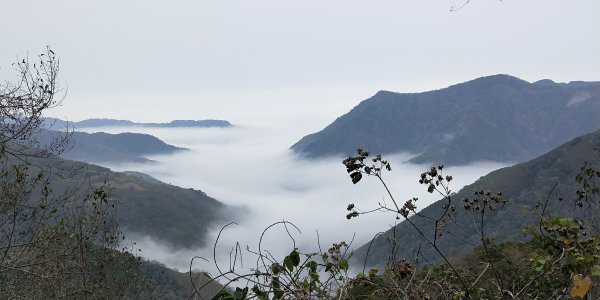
x: 494, y: 80
x: 492, y: 118
x: 545, y: 82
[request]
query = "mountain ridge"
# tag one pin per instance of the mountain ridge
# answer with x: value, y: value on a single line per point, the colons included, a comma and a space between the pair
x: 101, y: 147
x: 175, y: 216
x: 59, y: 124
x: 494, y: 118
x: 524, y: 185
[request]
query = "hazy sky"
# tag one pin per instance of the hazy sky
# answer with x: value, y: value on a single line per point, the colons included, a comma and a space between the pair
x: 181, y: 57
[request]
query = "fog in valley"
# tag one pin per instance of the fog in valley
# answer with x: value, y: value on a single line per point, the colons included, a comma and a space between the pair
x: 215, y: 94
x: 250, y: 168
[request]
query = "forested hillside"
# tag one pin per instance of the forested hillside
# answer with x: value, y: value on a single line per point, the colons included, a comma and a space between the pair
x: 103, y: 147
x: 494, y: 118
x: 178, y: 217
x: 525, y: 187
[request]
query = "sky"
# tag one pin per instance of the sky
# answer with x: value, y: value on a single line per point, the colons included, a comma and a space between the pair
x: 160, y: 60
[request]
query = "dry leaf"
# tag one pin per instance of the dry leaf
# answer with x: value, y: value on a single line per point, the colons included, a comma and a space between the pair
x: 581, y: 286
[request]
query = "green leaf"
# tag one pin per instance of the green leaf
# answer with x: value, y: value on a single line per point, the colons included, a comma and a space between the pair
x: 328, y: 267
x: 589, y: 259
x: 312, y: 265
x: 275, y: 268
x: 314, y: 277
x: 569, y: 223
x: 240, y: 294
x: 287, y: 262
x: 595, y: 270
x: 259, y: 293
x: 305, y: 283
x: 295, y: 257
x: 344, y: 265
x: 373, y: 272
x: 275, y: 283
x: 223, y: 295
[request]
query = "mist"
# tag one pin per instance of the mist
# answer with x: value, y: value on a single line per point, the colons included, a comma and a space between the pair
x: 251, y: 169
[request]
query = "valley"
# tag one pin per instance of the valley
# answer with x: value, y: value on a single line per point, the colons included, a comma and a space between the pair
x: 314, y: 150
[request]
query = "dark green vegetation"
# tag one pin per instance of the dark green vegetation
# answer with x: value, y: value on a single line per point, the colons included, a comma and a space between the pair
x: 103, y: 147
x: 534, y: 225
x: 160, y: 282
x: 525, y: 186
x: 54, y: 244
x: 59, y: 124
x: 169, y: 214
x: 495, y: 118
x: 59, y: 220
x: 79, y: 214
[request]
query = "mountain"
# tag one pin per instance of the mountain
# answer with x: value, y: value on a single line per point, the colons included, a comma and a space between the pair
x: 162, y: 282
x: 190, y: 123
x: 494, y: 118
x: 103, y: 147
x: 524, y: 185
x: 58, y: 124
x: 178, y: 217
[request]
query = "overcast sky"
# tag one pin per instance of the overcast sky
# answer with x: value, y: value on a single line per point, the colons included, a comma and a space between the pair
x: 176, y: 55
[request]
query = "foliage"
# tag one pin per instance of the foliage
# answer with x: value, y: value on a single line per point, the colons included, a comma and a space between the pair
x: 178, y: 217
x: 22, y: 104
x: 561, y: 256
x: 317, y: 275
x: 59, y: 230
x: 53, y: 244
x: 526, y: 187
x: 561, y: 261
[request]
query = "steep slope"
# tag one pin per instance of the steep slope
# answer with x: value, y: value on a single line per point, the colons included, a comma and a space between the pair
x: 524, y: 185
x: 162, y: 282
x: 495, y: 118
x: 169, y: 214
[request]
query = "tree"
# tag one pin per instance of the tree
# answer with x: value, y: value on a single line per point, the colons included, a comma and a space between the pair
x: 23, y: 103
x: 55, y: 241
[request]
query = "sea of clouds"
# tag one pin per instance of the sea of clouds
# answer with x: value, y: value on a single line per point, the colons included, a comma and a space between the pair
x: 251, y: 169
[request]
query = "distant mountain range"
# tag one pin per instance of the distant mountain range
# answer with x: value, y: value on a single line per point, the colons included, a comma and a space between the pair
x: 58, y: 124
x: 494, y: 118
x: 103, y: 147
x: 524, y: 185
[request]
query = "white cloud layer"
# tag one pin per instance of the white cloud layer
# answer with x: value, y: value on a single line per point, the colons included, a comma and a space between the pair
x: 250, y: 167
